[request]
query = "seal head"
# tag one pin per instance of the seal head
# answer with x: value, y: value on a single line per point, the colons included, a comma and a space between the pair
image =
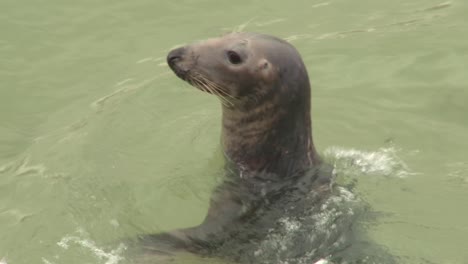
x: 265, y: 93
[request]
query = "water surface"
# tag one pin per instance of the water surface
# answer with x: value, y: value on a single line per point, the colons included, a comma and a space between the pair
x: 100, y: 141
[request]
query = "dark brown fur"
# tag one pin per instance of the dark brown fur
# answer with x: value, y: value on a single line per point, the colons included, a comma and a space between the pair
x: 266, y: 138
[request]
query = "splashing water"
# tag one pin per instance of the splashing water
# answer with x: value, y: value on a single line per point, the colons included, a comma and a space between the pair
x: 383, y: 162
x: 320, y: 234
x: 112, y: 257
x: 312, y: 235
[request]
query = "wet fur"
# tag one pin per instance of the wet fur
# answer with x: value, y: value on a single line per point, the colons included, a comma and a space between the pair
x: 271, y: 163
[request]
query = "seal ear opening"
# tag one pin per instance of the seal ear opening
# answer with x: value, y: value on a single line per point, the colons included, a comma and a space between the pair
x: 263, y: 64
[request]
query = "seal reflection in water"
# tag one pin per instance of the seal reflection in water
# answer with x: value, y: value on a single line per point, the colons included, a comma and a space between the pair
x: 272, y: 169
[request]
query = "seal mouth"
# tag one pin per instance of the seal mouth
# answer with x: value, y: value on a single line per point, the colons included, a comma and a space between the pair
x: 182, y: 74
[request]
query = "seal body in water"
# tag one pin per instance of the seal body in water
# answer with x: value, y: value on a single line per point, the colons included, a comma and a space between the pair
x: 272, y: 169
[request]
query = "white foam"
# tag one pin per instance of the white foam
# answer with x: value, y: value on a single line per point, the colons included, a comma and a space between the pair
x: 315, y: 230
x: 145, y: 60
x: 290, y: 225
x: 44, y: 260
x: 383, y: 162
x: 323, y: 261
x: 112, y: 257
x: 27, y: 168
x: 458, y: 171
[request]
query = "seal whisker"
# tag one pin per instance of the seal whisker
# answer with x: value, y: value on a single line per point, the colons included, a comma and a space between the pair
x: 217, y: 92
x: 224, y: 101
x: 199, y: 82
x: 221, y: 89
x: 215, y: 89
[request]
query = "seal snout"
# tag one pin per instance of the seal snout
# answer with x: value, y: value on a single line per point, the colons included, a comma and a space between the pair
x: 175, y: 56
x: 173, y: 59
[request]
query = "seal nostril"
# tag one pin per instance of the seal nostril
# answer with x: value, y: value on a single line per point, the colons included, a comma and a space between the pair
x: 175, y: 56
x: 172, y: 60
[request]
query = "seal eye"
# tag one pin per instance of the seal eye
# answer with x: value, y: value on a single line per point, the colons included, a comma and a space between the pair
x: 233, y: 57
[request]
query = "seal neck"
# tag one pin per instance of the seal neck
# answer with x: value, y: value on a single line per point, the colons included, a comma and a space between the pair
x: 273, y: 140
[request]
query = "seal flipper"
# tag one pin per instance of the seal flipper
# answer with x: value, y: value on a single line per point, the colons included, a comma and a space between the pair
x: 227, y: 209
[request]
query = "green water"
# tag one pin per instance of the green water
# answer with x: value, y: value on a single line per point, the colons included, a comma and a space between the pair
x: 100, y: 141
